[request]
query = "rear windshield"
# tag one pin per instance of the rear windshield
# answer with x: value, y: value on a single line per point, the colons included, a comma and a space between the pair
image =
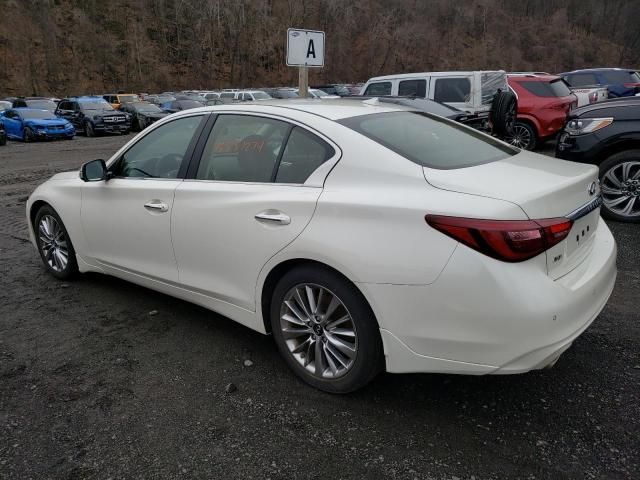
x: 621, y: 76
x: 555, y: 88
x: 428, y: 140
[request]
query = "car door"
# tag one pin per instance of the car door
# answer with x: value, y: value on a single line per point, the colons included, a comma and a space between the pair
x: 13, y: 124
x: 126, y: 219
x: 246, y: 201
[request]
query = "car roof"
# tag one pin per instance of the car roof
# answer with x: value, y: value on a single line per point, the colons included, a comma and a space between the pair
x: 331, y: 109
x: 595, y: 70
x: 430, y: 74
x: 532, y: 77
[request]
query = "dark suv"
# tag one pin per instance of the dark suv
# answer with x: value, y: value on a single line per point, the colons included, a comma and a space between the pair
x: 607, y: 134
x: 93, y: 115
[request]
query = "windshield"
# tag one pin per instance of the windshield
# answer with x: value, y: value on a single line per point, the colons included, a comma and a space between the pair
x: 95, y: 106
x: 147, y: 108
x: 36, y: 114
x: 44, y: 104
x: 342, y: 90
x: 429, y: 140
x: 261, y: 96
x: 286, y: 94
x: 318, y: 93
x: 184, y: 104
x: 128, y: 98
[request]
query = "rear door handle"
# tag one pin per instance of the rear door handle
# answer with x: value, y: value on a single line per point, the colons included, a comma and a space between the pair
x: 273, y: 216
x: 157, y: 206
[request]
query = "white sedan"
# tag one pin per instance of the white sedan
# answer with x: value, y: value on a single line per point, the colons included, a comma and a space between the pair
x: 363, y: 236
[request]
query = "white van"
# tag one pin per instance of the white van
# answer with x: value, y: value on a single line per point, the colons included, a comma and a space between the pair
x: 469, y: 91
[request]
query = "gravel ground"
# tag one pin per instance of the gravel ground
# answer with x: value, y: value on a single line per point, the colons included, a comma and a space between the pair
x: 102, y: 379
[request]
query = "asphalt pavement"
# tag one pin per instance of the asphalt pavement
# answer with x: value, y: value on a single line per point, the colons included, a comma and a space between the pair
x: 102, y: 379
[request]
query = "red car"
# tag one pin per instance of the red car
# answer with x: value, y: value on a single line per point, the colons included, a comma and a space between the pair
x: 543, y: 104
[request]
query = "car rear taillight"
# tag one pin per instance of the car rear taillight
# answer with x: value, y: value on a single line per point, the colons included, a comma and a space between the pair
x: 506, y: 240
x: 593, y: 97
x: 631, y: 85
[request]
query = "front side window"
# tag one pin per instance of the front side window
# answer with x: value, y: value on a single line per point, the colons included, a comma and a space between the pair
x: 303, y: 154
x: 429, y: 140
x: 412, y: 88
x: 243, y: 148
x: 379, y: 88
x: 160, y: 153
x: 453, y: 90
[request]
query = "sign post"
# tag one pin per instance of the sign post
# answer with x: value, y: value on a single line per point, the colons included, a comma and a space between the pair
x: 305, y: 48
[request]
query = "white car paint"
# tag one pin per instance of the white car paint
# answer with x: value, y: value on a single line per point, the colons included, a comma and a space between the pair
x: 440, y: 306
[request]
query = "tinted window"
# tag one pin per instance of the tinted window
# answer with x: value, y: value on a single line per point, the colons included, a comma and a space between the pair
x: 556, y: 88
x: 582, y: 79
x: 412, y: 88
x: 380, y: 88
x: 96, y: 106
x: 452, y: 90
x: 242, y: 148
x: 227, y: 95
x: 429, y: 140
x: 187, y: 104
x: 159, y: 153
x: 303, y: 154
x: 620, y: 76
x: 45, y: 104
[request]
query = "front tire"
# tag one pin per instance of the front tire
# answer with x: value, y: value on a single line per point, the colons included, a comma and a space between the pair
x: 28, y: 135
x: 524, y: 136
x: 88, y: 129
x: 325, y: 330
x: 54, y: 245
x: 620, y: 186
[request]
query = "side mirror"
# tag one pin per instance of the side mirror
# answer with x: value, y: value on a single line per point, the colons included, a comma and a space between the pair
x: 94, y: 171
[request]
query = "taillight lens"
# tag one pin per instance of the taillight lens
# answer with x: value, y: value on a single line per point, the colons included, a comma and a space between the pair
x: 593, y: 97
x: 506, y: 240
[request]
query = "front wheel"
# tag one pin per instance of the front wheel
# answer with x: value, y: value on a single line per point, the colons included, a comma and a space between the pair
x: 54, y: 244
x: 325, y: 330
x: 28, y: 135
x: 523, y: 136
x: 620, y: 186
x: 88, y: 130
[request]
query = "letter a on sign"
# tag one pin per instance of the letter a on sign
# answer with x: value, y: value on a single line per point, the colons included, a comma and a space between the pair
x: 305, y: 48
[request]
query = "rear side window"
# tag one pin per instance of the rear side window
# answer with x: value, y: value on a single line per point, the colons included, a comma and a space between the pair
x: 379, y: 88
x: 242, y: 148
x: 555, y: 88
x: 303, y: 154
x: 582, y: 79
x: 454, y: 90
x: 621, y: 76
x: 412, y: 88
x: 429, y: 140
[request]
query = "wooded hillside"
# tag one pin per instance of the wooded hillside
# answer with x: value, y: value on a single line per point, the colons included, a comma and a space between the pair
x: 62, y: 47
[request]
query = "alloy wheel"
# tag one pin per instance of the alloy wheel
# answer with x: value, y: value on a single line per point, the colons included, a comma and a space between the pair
x: 53, y: 243
x: 318, y: 330
x: 620, y: 188
x: 521, y: 137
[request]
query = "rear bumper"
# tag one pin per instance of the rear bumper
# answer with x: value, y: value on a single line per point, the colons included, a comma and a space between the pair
x: 484, y: 316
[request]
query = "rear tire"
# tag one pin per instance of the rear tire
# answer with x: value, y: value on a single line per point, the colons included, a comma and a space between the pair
x: 54, y: 245
x: 345, y: 338
x: 524, y: 136
x: 3, y: 140
x: 620, y: 186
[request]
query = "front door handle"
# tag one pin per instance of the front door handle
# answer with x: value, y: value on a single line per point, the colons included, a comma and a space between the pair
x: 273, y: 216
x: 157, y: 206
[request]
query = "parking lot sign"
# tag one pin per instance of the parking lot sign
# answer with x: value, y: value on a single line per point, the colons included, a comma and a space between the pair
x: 305, y: 48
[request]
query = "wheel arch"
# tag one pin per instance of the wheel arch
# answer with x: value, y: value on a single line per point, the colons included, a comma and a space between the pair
x: 617, y: 146
x: 280, y: 269
x: 531, y: 121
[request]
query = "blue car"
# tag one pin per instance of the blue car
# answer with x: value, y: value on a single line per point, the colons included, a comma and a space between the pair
x: 621, y: 82
x: 29, y: 124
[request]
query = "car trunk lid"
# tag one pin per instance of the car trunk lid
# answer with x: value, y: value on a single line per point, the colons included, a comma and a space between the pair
x: 543, y: 188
